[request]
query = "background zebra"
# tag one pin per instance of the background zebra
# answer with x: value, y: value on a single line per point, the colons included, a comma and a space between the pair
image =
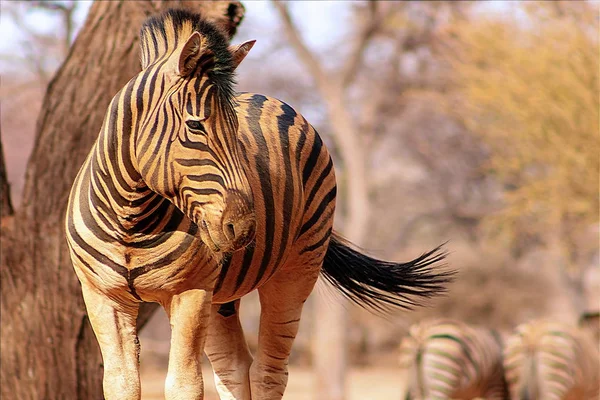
x: 551, y: 361
x: 184, y: 173
x: 448, y: 359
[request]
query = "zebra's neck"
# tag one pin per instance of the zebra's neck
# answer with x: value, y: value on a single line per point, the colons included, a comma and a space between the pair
x: 128, y: 206
x: 119, y: 193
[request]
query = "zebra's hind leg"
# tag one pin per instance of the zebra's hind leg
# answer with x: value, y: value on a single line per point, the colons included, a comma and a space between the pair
x: 188, y: 312
x: 281, y: 299
x: 115, y: 327
x: 496, y: 391
x: 227, y: 350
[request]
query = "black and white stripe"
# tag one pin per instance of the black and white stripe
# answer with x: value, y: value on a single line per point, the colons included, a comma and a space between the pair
x: 553, y: 361
x: 447, y: 359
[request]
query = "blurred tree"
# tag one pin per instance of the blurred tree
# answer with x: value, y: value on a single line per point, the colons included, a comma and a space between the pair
x: 26, y: 73
x: 437, y: 184
x: 363, y: 81
x: 48, y: 350
x: 527, y: 84
x: 66, y: 10
x: 42, y: 49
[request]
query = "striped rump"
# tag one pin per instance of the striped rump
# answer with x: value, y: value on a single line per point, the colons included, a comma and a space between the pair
x: 551, y: 361
x: 447, y: 359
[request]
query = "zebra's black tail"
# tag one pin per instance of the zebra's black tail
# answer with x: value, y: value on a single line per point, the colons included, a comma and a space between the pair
x: 380, y: 285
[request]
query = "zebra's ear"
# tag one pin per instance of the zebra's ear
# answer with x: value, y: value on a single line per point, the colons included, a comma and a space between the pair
x: 240, y: 51
x: 190, y: 54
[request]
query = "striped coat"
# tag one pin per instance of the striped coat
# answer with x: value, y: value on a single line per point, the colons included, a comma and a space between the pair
x: 551, y: 361
x: 447, y: 359
x: 192, y: 197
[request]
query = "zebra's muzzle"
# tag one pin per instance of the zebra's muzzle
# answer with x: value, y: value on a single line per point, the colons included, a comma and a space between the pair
x: 229, y: 235
x: 240, y: 231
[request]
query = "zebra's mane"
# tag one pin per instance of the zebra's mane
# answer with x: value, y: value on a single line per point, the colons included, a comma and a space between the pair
x: 162, y: 34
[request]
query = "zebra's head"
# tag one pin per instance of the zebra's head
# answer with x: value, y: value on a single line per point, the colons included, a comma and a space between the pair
x: 187, y: 145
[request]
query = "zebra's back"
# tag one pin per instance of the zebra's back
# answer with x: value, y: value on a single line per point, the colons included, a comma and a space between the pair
x: 444, y: 359
x: 551, y: 360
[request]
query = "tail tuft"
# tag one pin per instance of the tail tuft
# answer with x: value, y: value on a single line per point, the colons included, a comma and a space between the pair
x: 379, y: 285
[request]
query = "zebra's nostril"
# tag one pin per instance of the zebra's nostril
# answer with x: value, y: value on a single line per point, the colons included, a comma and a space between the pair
x: 230, y: 231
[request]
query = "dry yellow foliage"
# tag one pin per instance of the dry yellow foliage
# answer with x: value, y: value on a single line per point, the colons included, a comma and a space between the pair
x: 528, y: 84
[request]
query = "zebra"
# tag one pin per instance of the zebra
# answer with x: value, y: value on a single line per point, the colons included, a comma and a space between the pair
x: 193, y: 196
x: 550, y: 360
x: 449, y: 359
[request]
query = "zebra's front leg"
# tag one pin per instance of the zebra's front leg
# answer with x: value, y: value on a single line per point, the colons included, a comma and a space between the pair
x: 115, y: 327
x: 281, y: 299
x: 188, y: 313
x: 227, y: 350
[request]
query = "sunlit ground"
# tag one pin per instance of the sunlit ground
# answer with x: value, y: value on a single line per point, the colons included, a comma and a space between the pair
x: 363, y: 384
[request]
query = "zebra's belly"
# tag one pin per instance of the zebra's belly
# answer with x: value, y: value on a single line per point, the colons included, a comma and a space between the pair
x: 176, y: 261
x: 166, y: 264
x: 175, y: 270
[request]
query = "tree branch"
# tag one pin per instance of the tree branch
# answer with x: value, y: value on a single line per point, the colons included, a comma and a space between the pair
x: 368, y: 31
x: 370, y: 117
x: 66, y: 13
x: 303, y: 52
x: 52, y: 6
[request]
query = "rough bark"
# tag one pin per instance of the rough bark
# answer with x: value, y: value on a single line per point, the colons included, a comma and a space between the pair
x: 48, y: 350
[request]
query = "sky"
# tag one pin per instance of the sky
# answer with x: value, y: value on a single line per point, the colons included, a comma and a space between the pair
x: 316, y: 20
x: 317, y: 28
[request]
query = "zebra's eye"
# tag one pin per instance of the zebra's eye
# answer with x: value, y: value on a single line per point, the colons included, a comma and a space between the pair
x: 195, y: 126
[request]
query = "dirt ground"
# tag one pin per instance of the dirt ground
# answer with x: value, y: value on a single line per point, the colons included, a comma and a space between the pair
x: 363, y: 384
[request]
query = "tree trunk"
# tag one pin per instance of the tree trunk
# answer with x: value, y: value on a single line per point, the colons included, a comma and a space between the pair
x: 48, y: 350
x: 6, y: 208
x: 331, y: 324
